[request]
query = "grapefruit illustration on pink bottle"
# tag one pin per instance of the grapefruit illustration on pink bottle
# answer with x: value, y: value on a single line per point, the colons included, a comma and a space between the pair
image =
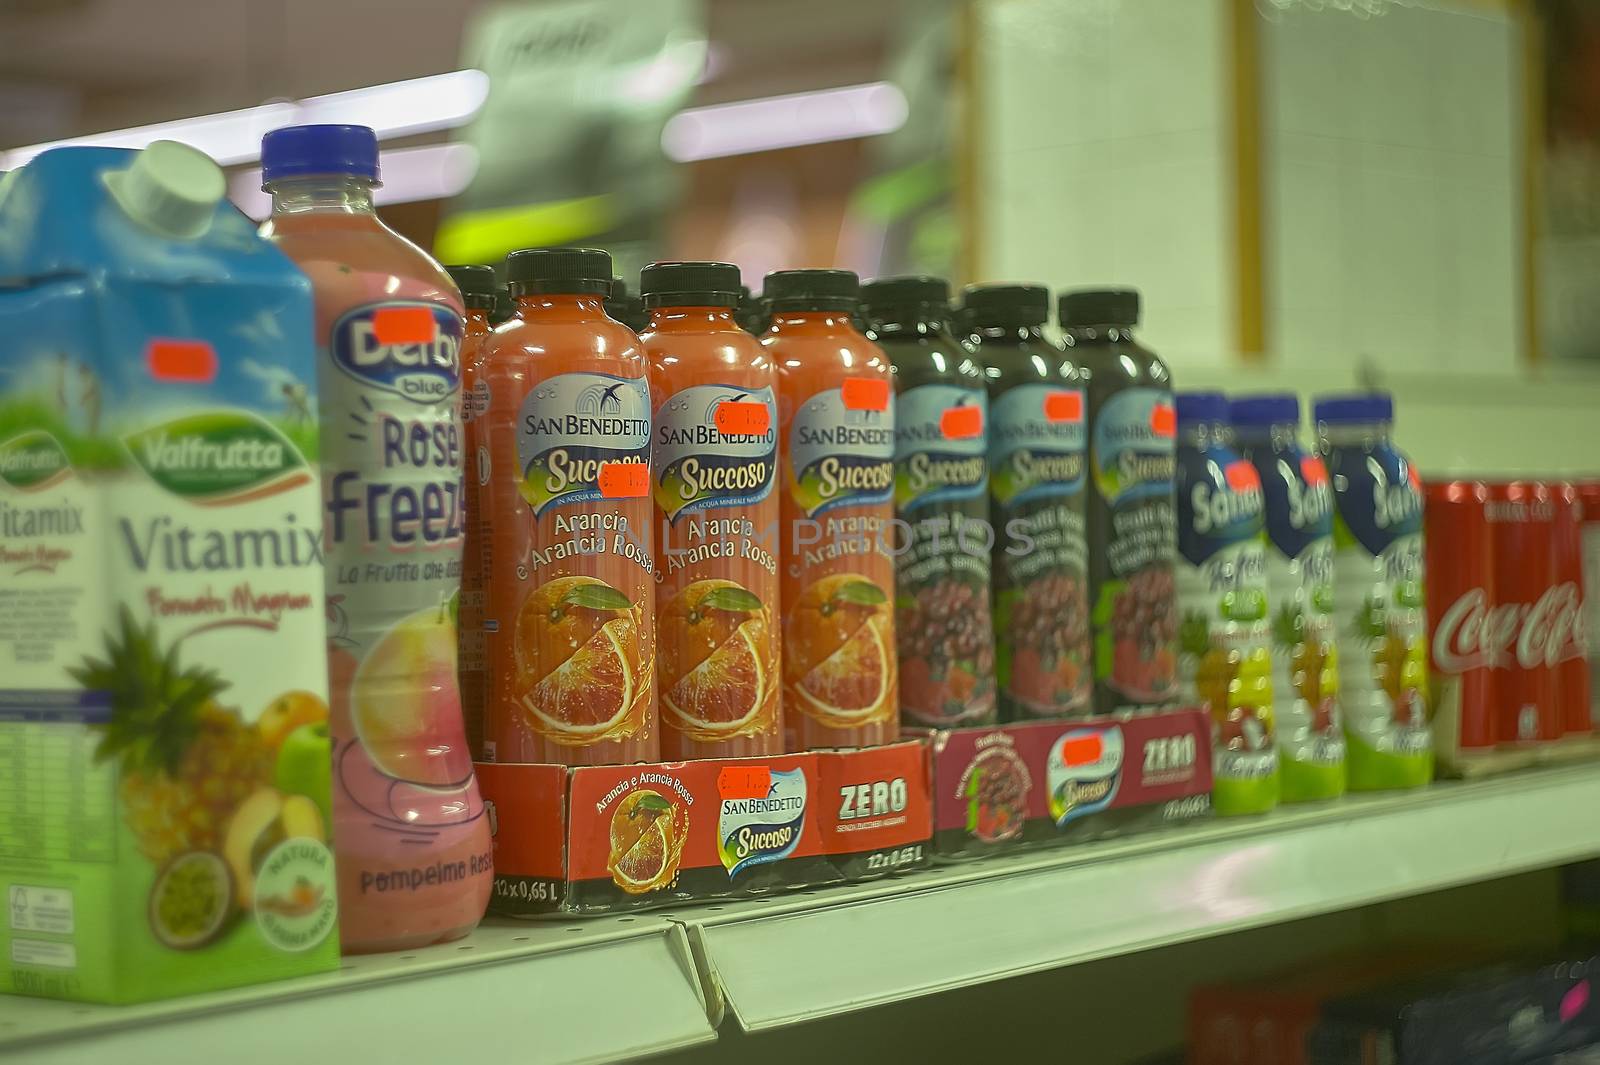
x: 410, y: 835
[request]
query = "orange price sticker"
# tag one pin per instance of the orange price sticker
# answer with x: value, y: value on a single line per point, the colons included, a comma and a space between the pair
x: 744, y: 781
x: 865, y: 393
x: 404, y: 325
x: 740, y: 417
x: 1083, y: 750
x: 1163, y: 420
x: 1063, y: 407
x: 181, y: 360
x: 624, y: 480
x: 1242, y: 476
x: 961, y: 423
x: 1312, y: 469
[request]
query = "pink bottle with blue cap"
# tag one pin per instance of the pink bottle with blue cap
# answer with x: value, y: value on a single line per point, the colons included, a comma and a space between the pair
x: 410, y: 835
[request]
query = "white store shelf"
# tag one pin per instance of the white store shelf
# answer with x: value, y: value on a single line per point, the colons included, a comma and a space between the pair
x: 611, y: 988
x: 598, y: 990
x: 795, y: 959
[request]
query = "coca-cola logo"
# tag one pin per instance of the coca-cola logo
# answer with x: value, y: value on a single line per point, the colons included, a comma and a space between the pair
x: 1473, y: 633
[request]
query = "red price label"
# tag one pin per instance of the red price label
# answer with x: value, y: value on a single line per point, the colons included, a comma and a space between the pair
x: 736, y: 417
x: 1082, y: 750
x: 1242, y: 476
x: 1063, y: 407
x: 961, y: 423
x: 624, y: 480
x: 404, y: 325
x: 744, y: 781
x: 865, y: 393
x: 181, y: 360
x: 1163, y: 420
x: 1312, y: 469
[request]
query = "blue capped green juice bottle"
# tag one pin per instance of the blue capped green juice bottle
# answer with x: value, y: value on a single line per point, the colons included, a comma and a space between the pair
x: 1224, y: 640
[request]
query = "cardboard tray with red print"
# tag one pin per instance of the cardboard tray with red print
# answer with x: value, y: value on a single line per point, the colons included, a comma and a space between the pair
x: 1044, y: 783
x: 603, y: 839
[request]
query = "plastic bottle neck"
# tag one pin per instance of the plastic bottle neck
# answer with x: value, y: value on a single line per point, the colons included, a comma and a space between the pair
x: 561, y: 306
x: 920, y: 321
x: 827, y: 321
x: 1279, y: 437
x: 692, y: 319
x: 1109, y: 333
x: 325, y: 193
x: 1010, y: 332
x: 1202, y: 435
x: 1349, y: 434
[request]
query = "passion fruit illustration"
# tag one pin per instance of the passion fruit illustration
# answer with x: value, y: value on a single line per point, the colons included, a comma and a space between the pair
x: 263, y: 821
x: 191, y: 900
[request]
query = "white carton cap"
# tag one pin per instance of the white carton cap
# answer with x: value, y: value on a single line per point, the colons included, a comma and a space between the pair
x: 170, y: 188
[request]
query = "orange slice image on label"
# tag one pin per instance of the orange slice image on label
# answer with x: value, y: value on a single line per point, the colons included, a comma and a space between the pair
x: 839, y: 663
x: 648, y: 831
x: 718, y: 668
x: 577, y: 655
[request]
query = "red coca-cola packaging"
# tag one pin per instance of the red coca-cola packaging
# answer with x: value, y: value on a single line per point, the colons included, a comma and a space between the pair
x: 1573, y: 679
x: 1522, y: 520
x: 1589, y: 504
x: 1460, y: 567
x: 1505, y: 566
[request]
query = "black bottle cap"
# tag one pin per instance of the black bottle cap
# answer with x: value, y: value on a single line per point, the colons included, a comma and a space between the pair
x: 1006, y: 304
x: 812, y: 290
x: 559, y: 270
x: 477, y: 284
x: 624, y: 308
x: 887, y: 292
x: 505, y: 308
x: 1098, y: 306
x: 690, y: 284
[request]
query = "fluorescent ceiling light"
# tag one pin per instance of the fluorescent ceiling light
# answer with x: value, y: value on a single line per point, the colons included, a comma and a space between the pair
x: 229, y: 137
x: 784, y: 122
x: 434, y: 172
x: 401, y: 108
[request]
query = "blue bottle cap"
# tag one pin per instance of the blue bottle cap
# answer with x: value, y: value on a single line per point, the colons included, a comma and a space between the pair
x: 1354, y: 408
x: 1265, y: 409
x: 1195, y: 408
x: 297, y: 151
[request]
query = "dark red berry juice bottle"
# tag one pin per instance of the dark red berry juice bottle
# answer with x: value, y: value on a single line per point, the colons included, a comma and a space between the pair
x: 1131, y: 514
x: 945, y: 638
x: 1038, y: 425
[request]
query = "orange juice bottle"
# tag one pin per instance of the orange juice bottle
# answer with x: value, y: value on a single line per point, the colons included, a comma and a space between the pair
x: 837, y: 535
x: 714, y: 461
x: 479, y: 290
x: 571, y: 606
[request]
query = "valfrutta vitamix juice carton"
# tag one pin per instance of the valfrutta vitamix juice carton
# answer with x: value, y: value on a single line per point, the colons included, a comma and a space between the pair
x: 163, y: 691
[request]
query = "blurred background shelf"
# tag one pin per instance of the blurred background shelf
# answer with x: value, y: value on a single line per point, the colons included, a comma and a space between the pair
x: 512, y: 991
x: 782, y: 962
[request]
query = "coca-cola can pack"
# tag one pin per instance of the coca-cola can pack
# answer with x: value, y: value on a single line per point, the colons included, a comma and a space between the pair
x: 1506, y: 607
x: 1459, y: 563
x: 1589, y: 501
x: 1574, y: 680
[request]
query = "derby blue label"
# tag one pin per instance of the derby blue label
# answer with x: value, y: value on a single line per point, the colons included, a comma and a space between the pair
x: 423, y: 372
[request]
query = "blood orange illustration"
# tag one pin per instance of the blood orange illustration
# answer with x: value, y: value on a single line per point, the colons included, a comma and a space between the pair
x: 577, y: 654
x: 840, y: 665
